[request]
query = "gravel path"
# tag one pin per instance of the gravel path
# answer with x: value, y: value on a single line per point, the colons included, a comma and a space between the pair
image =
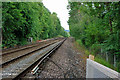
x: 66, y: 62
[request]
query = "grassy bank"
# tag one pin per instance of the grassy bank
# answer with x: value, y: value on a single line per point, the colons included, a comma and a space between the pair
x: 105, y: 63
x: 98, y: 58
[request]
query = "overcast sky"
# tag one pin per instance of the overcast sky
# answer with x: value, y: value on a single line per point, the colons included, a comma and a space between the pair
x: 59, y: 7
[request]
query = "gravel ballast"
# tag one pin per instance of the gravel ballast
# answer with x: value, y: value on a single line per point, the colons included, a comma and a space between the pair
x: 66, y: 62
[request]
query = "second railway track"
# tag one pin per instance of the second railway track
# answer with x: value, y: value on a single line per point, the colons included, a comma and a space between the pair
x: 23, y: 52
x: 19, y: 48
x: 16, y: 66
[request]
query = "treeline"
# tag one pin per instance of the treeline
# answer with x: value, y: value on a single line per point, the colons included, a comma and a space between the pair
x: 97, y: 27
x: 22, y: 20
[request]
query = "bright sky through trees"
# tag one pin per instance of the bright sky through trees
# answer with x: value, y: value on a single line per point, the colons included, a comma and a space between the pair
x: 59, y: 7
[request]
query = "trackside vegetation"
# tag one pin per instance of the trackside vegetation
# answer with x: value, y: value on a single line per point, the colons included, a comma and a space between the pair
x: 96, y: 26
x: 22, y: 20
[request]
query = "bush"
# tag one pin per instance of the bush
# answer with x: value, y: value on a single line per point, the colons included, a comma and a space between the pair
x: 79, y: 42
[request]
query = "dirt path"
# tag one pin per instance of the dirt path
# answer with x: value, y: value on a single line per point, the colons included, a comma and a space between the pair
x: 67, y: 62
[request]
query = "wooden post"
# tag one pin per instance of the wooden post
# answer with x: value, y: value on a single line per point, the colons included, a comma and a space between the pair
x: 91, y: 57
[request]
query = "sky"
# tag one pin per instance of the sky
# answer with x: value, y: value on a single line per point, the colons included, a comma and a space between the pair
x: 59, y: 7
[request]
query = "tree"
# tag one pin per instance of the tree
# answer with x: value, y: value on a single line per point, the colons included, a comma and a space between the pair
x: 97, y: 26
x: 21, y: 20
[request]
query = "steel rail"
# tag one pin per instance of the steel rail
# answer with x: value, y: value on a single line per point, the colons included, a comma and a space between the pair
x: 4, y: 52
x: 36, y: 62
x: 39, y: 62
x: 14, y: 59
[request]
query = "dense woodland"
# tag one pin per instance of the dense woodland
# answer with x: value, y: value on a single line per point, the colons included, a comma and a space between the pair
x: 22, y: 20
x: 97, y: 27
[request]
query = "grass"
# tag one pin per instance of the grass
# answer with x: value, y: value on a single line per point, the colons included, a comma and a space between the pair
x: 98, y: 59
x: 82, y: 48
x: 105, y: 63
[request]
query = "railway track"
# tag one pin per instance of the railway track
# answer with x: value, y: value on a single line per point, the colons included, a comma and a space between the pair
x: 16, y: 54
x: 31, y: 45
x: 16, y: 67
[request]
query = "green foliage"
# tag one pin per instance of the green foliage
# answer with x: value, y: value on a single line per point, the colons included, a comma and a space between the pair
x: 79, y: 42
x: 96, y: 25
x: 21, y: 20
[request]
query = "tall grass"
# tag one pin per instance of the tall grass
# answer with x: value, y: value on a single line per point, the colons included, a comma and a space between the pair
x: 105, y: 63
x: 98, y: 59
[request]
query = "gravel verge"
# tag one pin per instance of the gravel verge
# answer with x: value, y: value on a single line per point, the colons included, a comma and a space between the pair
x: 67, y: 62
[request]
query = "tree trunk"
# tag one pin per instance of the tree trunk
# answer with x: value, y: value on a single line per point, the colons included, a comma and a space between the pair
x: 110, y: 22
x: 106, y: 56
x: 114, y: 60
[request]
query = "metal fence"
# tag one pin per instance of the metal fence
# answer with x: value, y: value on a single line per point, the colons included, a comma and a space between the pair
x: 95, y: 70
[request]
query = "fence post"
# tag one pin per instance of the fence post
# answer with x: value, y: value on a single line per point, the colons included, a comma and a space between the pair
x: 114, y: 60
